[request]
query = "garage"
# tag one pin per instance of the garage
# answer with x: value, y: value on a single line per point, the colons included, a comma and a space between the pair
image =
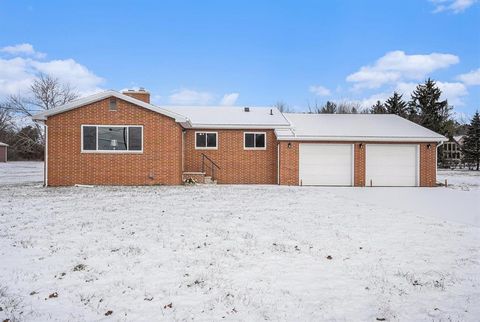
x: 326, y: 164
x: 392, y: 165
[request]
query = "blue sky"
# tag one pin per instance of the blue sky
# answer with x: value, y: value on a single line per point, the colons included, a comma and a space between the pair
x: 246, y: 53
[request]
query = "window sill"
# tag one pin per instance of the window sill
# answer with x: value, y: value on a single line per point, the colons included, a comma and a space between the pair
x: 196, y: 148
x: 112, y: 152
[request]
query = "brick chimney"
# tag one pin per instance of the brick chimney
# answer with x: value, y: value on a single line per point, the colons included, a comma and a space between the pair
x: 140, y: 94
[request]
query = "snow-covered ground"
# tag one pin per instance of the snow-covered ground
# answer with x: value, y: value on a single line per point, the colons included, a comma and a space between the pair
x: 459, y: 201
x: 234, y: 253
x: 460, y: 179
x: 21, y: 172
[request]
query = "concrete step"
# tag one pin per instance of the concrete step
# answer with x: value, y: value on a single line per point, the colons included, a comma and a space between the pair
x: 209, y: 180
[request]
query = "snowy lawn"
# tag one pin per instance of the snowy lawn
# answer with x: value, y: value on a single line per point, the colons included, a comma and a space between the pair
x: 460, y: 179
x: 459, y: 202
x: 232, y: 252
x: 21, y: 172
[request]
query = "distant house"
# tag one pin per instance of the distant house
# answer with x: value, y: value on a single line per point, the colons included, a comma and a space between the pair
x: 452, y: 152
x: 113, y: 138
x: 3, y: 152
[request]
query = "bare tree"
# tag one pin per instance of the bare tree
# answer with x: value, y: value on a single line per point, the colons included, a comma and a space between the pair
x: 283, y: 107
x: 5, y: 120
x: 348, y: 107
x: 46, y: 92
x: 314, y: 108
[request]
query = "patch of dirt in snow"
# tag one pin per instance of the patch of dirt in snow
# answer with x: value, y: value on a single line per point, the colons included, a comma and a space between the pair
x: 233, y: 252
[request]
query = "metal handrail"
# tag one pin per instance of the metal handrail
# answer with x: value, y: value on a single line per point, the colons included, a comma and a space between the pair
x: 212, y: 167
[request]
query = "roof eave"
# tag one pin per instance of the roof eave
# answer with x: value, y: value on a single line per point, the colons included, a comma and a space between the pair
x: 362, y: 138
x: 238, y: 126
x: 42, y: 116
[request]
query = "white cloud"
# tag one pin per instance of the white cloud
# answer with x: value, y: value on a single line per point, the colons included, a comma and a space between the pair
x: 471, y: 78
x: 319, y: 90
x: 71, y: 72
x: 397, y: 66
x: 190, y: 97
x: 18, y: 73
x: 405, y: 88
x: 229, y: 99
x: 22, y: 49
x: 372, y: 100
x: 455, y: 6
x: 454, y: 92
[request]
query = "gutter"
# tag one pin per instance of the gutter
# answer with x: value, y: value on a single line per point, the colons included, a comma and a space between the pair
x: 358, y: 138
x: 238, y: 126
x: 436, y: 159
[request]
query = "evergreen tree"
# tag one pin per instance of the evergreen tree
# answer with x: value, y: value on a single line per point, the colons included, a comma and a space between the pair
x: 427, y: 109
x: 378, y: 108
x: 471, y: 142
x: 396, y: 105
x: 329, y: 108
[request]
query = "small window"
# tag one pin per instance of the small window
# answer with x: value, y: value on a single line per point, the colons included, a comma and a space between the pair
x: 205, y: 140
x: 112, y: 138
x: 255, y: 140
x: 113, y: 104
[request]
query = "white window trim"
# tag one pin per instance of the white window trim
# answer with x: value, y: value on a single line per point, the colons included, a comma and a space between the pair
x: 110, y: 151
x: 254, y: 148
x: 206, y: 148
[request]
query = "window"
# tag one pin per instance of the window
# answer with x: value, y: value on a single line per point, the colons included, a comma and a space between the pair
x: 112, y: 138
x: 205, y: 140
x: 113, y: 104
x: 254, y: 140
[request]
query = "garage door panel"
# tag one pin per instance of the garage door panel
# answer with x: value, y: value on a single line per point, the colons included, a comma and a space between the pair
x: 325, y: 164
x: 391, y: 165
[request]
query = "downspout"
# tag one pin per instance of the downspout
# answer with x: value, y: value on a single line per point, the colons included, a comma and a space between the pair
x: 436, y: 160
x: 45, y: 171
x: 183, y: 151
x: 278, y: 163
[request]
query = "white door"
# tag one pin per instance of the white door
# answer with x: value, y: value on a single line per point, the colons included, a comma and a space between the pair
x: 392, y: 165
x: 326, y: 164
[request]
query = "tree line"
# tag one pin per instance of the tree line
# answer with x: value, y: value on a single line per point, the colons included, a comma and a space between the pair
x: 26, y: 138
x: 425, y: 107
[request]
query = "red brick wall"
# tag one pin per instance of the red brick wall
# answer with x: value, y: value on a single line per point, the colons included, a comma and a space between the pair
x: 289, y: 163
x: 142, y: 96
x: 160, y: 162
x: 237, y: 165
x: 359, y: 165
x: 3, y: 154
x: 428, y: 161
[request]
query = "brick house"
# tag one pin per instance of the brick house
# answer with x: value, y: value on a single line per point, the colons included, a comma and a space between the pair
x: 115, y: 138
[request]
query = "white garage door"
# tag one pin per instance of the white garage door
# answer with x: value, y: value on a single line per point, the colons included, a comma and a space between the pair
x: 391, y: 165
x: 326, y: 164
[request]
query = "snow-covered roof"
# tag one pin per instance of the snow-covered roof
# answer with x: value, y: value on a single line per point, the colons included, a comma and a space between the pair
x: 100, y: 96
x: 3, y: 144
x: 458, y: 138
x: 232, y: 117
x: 348, y: 127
